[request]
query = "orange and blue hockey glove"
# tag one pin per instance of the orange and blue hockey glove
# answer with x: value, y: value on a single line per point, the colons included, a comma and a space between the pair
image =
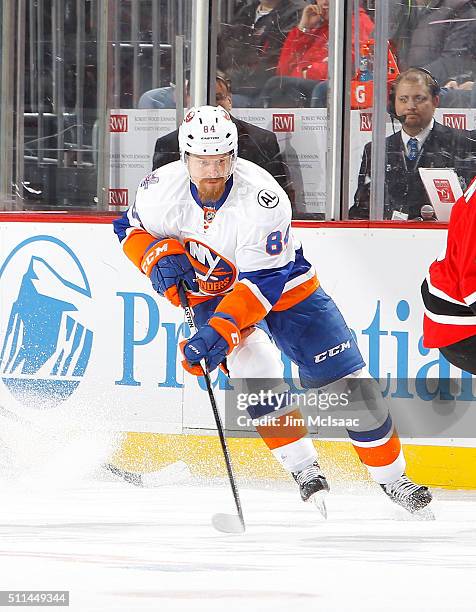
x: 213, y: 342
x: 166, y: 264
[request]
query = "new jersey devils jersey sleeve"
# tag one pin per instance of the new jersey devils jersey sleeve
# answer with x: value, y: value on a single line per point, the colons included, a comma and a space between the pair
x: 449, y: 290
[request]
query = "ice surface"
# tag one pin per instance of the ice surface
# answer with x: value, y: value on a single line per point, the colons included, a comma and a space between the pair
x: 116, y: 547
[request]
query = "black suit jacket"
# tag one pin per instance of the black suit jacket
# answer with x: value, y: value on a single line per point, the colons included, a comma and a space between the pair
x: 254, y: 144
x: 444, y: 147
x: 248, y: 50
x: 438, y: 37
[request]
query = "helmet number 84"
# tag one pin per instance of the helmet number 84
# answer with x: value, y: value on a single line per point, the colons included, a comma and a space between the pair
x: 275, y: 242
x: 207, y: 129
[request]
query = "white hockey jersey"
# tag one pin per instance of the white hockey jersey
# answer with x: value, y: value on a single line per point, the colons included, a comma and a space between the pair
x: 241, y: 245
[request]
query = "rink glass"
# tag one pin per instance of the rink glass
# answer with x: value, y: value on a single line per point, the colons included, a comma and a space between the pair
x: 73, y: 70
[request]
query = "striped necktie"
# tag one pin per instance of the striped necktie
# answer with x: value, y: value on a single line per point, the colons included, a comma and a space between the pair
x: 412, y: 148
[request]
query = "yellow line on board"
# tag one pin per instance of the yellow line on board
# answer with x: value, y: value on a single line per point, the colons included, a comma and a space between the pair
x: 440, y: 466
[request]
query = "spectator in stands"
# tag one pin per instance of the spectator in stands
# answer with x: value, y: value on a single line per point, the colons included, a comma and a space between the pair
x: 459, y: 90
x: 303, y: 60
x: 422, y: 142
x: 255, y: 144
x: 249, y: 47
x: 437, y: 35
x: 165, y: 97
x: 162, y: 97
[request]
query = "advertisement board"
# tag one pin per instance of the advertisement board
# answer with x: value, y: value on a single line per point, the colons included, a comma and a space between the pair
x: 83, y: 334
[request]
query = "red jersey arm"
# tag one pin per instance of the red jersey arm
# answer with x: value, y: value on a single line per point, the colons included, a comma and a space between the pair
x: 467, y: 251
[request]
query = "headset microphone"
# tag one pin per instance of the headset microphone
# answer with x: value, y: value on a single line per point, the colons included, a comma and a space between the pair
x: 400, y: 118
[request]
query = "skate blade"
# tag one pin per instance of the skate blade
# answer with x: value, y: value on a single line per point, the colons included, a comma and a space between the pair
x: 228, y: 523
x: 318, y: 500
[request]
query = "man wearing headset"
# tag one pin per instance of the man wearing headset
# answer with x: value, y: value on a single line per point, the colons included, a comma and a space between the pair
x: 422, y: 142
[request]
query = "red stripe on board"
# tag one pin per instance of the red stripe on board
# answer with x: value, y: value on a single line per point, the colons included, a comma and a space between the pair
x: 408, y: 225
x: 54, y: 217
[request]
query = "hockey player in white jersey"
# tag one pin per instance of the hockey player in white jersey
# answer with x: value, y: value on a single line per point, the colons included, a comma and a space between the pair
x: 223, y: 225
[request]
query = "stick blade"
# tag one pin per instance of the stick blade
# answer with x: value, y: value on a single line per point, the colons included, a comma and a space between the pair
x: 228, y: 523
x: 134, y: 478
x: 171, y: 474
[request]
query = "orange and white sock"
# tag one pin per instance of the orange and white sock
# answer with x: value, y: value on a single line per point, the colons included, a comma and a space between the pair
x: 288, y: 442
x: 380, y: 451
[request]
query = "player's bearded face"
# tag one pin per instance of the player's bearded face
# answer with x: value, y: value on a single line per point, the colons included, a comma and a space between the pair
x: 209, y: 173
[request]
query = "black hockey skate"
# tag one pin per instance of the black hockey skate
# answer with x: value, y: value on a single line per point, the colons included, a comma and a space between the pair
x: 411, y: 496
x: 313, y: 486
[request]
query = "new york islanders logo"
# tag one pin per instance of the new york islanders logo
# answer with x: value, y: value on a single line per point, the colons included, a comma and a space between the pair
x: 45, y: 343
x: 215, y: 274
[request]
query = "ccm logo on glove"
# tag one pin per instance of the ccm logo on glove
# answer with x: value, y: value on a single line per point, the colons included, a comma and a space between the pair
x: 157, y: 250
x: 166, y: 264
x: 194, y: 349
x: 151, y: 257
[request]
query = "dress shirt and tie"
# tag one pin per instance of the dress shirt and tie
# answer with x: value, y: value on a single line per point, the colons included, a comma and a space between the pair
x: 413, y: 144
x: 439, y: 146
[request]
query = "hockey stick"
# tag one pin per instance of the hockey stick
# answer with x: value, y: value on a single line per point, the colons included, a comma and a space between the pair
x: 229, y: 523
x: 169, y: 474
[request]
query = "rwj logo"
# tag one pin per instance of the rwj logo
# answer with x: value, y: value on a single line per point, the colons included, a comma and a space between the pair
x: 283, y: 122
x: 45, y: 344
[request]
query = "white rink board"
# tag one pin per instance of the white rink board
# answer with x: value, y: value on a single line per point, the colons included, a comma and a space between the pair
x: 98, y: 398
x: 133, y: 378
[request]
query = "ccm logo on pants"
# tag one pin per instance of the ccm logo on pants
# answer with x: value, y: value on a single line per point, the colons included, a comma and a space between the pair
x: 332, y: 352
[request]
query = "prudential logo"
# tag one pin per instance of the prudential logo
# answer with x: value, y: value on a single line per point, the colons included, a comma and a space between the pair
x: 45, y: 315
